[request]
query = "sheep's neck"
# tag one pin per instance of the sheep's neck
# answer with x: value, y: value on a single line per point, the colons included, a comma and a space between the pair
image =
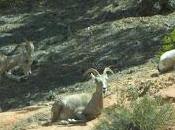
x: 95, y: 105
x: 12, y: 61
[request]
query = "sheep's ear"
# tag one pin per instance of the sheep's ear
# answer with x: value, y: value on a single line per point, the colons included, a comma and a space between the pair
x: 92, y: 76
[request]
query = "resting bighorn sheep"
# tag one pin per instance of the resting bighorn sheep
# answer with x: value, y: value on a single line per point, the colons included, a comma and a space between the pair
x: 167, y: 61
x: 81, y: 107
x: 22, y: 60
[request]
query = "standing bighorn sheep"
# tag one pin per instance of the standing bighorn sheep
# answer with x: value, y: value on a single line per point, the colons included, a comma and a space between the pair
x: 167, y: 61
x: 81, y: 107
x: 22, y: 60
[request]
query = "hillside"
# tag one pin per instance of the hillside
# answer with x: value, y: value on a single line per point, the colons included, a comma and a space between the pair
x: 71, y: 37
x: 33, y: 117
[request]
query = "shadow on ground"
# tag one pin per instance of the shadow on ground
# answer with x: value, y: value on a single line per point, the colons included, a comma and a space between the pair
x: 71, y: 53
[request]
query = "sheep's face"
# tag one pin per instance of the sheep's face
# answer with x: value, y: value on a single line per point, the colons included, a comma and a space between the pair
x: 29, y: 47
x: 26, y: 62
x: 101, y: 81
x: 27, y: 68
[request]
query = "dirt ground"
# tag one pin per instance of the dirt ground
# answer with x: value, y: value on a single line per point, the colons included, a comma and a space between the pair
x: 140, y: 76
x: 11, y: 118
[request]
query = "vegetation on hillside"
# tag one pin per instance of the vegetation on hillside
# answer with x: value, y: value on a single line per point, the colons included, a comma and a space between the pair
x: 69, y: 41
x: 168, y: 42
x: 74, y: 35
x: 143, y: 113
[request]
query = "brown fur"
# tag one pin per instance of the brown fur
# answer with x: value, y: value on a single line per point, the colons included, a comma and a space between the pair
x: 23, y: 59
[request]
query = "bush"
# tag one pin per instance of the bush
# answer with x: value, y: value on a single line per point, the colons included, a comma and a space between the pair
x: 150, y: 114
x: 144, y: 114
x: 117, y: 118
x: 168, y: 43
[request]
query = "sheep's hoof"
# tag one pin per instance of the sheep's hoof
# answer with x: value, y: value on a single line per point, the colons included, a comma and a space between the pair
x: 23, y: 78
x: 46, y: 123
x: 63, y: 122
x: 71, y: 120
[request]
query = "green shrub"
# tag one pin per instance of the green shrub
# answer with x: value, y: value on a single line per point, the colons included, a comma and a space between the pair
x: 143, y: 114
x: 150, y: 114
x: 117, y: 118
x: 132, y: 92
x: 168, y: 43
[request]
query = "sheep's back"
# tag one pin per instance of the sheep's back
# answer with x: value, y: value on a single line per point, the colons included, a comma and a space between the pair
x: 72, y: 104
x: 77, y: 100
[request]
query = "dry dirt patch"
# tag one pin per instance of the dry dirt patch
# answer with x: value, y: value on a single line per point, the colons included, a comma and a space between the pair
x: 139, y: 77
x: 11, y: 118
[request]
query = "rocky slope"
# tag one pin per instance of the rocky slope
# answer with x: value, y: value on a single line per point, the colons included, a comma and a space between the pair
x: 75, y: 36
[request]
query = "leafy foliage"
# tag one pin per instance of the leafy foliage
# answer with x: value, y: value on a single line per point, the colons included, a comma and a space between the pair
x: 118, y: 118
x: 149, y: 114
x: 168, y: 43
x: 144, y: 113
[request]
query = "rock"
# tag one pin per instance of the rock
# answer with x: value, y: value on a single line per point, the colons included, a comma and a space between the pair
x: 168, y: 93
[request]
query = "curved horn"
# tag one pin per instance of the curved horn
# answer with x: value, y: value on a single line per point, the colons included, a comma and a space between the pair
x: 107, y: 69
x: 91, y: 70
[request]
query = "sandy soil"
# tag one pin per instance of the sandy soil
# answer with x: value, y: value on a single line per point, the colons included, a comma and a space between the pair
x: 139, y: 77
x: 11, y: 118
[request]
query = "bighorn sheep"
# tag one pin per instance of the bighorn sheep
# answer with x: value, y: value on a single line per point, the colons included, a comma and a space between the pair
x: 22, y: 60
x: 167, y: 61
x: 81, y: 107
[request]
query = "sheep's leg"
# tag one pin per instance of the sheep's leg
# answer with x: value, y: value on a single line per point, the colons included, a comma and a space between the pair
x: 55, y: 115
x: 61, y: 122
x: 76, y: 121
x: 56, y: 109
x: 79, y: 118
x: 70, y: 121
x: 14, y: 68
x: 17, y: 68
x: 11, y: 76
